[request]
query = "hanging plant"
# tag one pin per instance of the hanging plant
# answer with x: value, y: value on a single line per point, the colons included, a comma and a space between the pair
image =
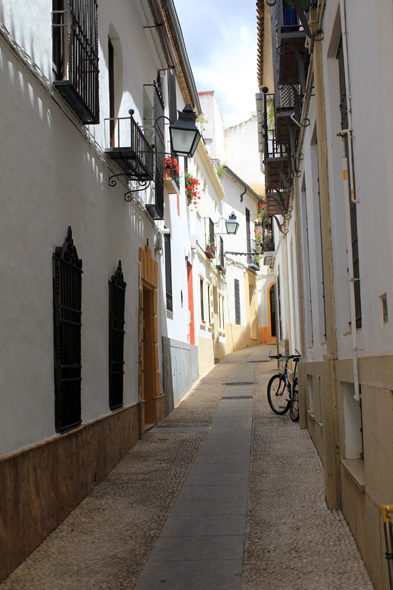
x: 192, y: 189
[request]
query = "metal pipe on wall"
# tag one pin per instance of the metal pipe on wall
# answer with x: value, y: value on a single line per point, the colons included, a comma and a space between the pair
x: 349, y: 190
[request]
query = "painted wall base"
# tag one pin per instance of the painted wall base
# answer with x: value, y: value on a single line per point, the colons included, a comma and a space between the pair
x: 179, y: 371
x: 40, y: 485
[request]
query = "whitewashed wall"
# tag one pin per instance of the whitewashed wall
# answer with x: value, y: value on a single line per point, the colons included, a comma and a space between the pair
x: 372, y: 122
x: 53, y: 177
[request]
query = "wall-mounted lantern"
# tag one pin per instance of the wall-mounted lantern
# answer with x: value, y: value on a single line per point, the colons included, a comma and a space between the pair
x: 184, y: 133
x: 232, y: 225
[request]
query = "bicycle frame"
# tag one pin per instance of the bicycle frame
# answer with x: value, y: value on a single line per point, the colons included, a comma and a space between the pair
x: 290, y: 382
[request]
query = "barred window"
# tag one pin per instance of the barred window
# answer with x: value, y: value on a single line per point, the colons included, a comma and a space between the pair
x: 117, y: 292
x: 67, y: 314
x: 75, y: 55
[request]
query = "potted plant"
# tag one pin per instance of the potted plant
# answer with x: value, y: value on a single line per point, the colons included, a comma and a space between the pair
x: 171, y: 175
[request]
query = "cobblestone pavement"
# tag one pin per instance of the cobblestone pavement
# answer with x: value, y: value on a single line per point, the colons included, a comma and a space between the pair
x: 292, y: 540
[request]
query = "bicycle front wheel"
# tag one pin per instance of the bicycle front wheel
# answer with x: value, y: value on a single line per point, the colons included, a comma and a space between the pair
x: 294, y: 403
x: 277, y: 395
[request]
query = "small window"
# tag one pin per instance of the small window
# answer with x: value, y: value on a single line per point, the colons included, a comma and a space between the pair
x: 67, y: 316
x: 117, y: 292
x: 209, y: 318
x: 237, y: 302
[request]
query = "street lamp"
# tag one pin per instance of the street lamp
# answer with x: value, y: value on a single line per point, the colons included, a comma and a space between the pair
x: 184, y: 133
x: 232, y: 225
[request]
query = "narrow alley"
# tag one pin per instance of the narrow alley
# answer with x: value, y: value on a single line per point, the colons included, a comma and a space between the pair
x: 221, y: 495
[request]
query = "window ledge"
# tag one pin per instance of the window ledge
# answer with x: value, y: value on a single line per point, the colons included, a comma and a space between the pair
x: 355, y: 469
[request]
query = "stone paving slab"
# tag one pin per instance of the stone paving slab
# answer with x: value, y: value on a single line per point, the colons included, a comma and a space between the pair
x: 219, y: 468
x: 196, y: 526
x: 220, y: 492
x: 199, y: 576
x: 206, y: 478
x: 223, y: 458
x: 203, y: 548
x: 216, y: 507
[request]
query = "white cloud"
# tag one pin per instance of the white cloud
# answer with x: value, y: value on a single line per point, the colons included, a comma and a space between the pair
x: 223, y: 59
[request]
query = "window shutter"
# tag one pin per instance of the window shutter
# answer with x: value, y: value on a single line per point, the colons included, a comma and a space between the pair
x: 168, y: 272
x: 172, y: 106
x: 237, y: 301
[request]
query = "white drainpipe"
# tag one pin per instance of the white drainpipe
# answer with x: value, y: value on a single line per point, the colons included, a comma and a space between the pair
x: 349, y: 185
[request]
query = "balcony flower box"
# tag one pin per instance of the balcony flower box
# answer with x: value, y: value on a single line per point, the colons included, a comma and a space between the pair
x: 210, y: 251
x: 171, y: 175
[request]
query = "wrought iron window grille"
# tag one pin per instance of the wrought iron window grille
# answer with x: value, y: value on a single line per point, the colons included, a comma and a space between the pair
x: 67, y: 313
x: 117, y: 290
x: 75, y: 56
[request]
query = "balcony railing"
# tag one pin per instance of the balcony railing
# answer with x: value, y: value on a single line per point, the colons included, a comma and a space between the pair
x: 252, y: 261
x: 128, y: 147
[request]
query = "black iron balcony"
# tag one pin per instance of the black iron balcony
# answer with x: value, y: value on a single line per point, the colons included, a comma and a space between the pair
x: 129, y: 148
x: 276, y: 155
x: 290, y: 30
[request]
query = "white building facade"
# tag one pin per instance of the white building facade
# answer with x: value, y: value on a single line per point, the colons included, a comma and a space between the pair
x: 86, y: 211
x: 327, y: 178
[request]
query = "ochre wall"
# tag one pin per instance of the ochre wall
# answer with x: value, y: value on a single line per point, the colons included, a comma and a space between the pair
x: 205, y: 354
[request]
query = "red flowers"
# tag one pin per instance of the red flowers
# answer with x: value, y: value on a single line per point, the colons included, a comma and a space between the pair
x: 169, y: 163
x: 192, y: 189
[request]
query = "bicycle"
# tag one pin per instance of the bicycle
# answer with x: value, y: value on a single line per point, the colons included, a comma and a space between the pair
x: 282, y: 393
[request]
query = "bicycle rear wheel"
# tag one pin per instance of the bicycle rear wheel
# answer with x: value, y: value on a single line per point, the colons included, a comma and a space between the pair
x: 277, y: 395
x: 294, y: 403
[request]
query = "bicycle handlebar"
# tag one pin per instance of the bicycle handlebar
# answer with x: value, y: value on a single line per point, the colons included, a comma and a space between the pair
x: 287, y: 357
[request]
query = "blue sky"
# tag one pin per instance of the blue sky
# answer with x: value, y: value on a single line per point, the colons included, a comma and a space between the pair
x: 221, y: 41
